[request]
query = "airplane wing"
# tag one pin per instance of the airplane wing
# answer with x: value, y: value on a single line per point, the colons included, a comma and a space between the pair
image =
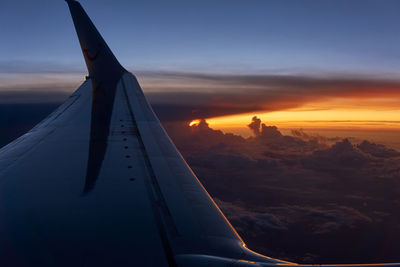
x: 99, y: 183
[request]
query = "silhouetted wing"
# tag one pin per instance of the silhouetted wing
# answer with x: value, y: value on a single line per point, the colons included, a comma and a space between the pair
x: 99, y: 183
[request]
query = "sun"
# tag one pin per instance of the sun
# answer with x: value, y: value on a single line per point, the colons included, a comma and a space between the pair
x: 194, y: 122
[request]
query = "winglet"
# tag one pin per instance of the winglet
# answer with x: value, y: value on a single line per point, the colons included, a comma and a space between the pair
x: 99, y: 59
x: 104, y: 72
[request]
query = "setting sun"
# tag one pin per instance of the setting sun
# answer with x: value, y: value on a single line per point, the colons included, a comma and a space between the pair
x: 194, y: 122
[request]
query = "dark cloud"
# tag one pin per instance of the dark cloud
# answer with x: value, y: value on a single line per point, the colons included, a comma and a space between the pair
x: 321, y: 220
x: 289, y: 195
x: 341, y: 156
x: 255, y: 125
x: 263, y: 131
x: 193, y: 95
x: 228, y: 94
x: 270, y: 132
x: 378, y: 150
x: 34, y: 96
x: 313, y: 137
x: 244, y: 219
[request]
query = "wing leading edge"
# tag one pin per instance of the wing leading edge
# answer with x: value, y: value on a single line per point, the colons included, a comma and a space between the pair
x: 99, y: 183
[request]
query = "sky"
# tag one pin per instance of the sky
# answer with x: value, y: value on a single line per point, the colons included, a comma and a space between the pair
x: 308, y: 64
x: 237, y: 36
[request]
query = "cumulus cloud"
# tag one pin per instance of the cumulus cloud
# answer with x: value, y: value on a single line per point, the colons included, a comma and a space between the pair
x: 342, y: 155
x: 264, y: 132
x: 245, y: 220
x: 314, y: 137
x: 269, y: 132
x: 378, y: 150
x: 282, y: 191
x: 321, y: 220
x: 255, y: 125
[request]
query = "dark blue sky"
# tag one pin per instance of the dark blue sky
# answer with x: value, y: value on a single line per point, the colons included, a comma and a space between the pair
x: 308, y: 36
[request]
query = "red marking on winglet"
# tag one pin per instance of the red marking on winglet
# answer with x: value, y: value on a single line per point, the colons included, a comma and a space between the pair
x: 91, y: 58
x: 86, y: 53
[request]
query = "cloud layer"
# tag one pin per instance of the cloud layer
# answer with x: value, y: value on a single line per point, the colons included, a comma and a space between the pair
x: 300, y: 197
x: 196, y: 95
x: 215, y: 95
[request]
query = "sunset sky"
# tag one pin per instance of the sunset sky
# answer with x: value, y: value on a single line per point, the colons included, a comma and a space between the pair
x: 296, y: 64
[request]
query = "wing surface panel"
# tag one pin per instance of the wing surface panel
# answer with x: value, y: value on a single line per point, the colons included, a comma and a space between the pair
x: 46, y: 221
x: 14, y: 151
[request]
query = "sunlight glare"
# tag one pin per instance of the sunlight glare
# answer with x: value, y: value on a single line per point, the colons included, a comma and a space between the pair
x: 194, y: 122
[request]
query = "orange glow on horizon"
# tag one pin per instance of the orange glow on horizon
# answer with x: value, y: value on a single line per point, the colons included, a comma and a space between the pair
x: 330, y: 114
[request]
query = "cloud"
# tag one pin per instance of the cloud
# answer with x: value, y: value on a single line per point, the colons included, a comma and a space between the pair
x: 243, y: 219
x: 255, y: 125
x: 34, y: 96
x: 30, y: 87
x: 313, y: 137
x: 321, y: 220
x: 377, y: 150
x: 195, y: 95
x: 270, y: 132
x: 22, y: 67
x: 341, y: 156
x: 287, y: 195
x: 216, y: 95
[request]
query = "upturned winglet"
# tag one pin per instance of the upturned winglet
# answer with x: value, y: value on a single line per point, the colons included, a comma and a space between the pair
x: 99, y: 59
x: 104, y: 72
